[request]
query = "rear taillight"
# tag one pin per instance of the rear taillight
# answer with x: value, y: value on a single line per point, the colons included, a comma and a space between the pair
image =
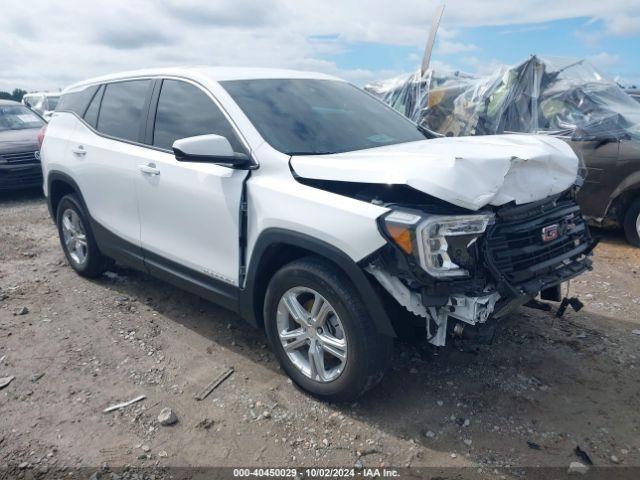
x: 41, y: 133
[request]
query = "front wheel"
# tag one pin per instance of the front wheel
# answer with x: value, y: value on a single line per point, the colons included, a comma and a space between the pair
x: 632, y: 223
x: 321, y: 332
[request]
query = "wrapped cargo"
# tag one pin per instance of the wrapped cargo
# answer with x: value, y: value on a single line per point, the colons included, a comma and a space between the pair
x: 569, y: 98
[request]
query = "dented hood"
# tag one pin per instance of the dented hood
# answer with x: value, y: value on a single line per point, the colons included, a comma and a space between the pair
x: 470, y: 172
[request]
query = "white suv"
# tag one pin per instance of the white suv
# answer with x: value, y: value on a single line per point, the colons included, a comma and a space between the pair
x: 311, y: 209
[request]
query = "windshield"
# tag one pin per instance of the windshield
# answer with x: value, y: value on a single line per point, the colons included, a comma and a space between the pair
x: 52, y: 102
x: 18, y: 117
x: 311, y: 117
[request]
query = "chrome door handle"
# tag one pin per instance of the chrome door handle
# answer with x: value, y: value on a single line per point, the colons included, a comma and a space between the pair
x: 79, y: 151
x: 149, y: 169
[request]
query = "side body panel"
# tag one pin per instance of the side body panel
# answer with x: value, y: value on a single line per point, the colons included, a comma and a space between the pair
x: 105, y: 173
x: 613, y: 168
x: 628, y: 167
x: 189, y: 213
x: 277, y: 200
x: 601, y: 161
x: 53, y: 154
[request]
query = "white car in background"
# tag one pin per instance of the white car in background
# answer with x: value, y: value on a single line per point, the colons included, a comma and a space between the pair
x: 43, y: 103
x: 311, y: 209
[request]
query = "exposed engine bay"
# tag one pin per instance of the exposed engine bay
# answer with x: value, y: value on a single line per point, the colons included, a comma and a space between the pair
x: 470, y: 310
x: 486, y: 267
x: 460, y: 271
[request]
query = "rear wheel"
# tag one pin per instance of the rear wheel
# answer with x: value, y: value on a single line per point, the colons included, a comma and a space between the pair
x: 77, y: 239
x: 632, y: 223
x: 321, y: 332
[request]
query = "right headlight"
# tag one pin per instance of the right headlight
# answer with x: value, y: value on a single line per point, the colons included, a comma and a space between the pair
x: 440, y: 242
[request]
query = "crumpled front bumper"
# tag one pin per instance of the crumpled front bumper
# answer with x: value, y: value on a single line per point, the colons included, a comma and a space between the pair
x: 533, y: 247
x: 527, y: 249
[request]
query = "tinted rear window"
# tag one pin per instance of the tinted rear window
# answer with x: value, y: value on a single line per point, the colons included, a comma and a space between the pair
x: 122, y: 109
x: 76, y: 102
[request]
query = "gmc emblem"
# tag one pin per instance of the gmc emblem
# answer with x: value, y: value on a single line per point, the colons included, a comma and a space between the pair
x: 550, y: 232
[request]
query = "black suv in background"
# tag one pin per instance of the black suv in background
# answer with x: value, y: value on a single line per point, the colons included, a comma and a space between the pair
x: 19, y: 147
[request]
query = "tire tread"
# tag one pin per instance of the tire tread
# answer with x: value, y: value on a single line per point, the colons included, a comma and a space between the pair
x: 378, y: 348
x: 630, y: 219
x: 97, y: 263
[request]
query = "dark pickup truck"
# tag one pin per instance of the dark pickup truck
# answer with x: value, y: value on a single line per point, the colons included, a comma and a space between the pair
x: 610, y: 195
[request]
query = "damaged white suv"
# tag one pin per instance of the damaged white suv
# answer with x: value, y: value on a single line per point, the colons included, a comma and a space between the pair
x: 311, y: 209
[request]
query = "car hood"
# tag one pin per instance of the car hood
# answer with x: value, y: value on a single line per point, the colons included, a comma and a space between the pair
x: 18, y: 140
x: 470, y: 172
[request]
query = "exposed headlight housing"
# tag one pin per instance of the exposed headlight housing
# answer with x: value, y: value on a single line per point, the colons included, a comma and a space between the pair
x: 433, y: 247
x: 432, y: 238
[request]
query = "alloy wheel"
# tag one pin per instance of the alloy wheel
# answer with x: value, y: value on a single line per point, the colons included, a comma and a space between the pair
x: 74, y: 236
x: 311, y: 334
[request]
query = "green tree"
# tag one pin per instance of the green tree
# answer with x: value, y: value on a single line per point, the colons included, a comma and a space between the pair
x: 17, y: 94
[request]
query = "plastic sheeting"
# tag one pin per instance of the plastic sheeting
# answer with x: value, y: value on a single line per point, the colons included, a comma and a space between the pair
x: 568, y: 98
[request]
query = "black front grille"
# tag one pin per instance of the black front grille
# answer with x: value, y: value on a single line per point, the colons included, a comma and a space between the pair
x: 19, y: 158
x: 533, y: 241
x: 20, y: 178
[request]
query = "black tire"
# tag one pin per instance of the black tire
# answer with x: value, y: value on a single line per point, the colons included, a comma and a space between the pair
x: 631, y: 225
x: 368, y: 353
x: 95, y: 263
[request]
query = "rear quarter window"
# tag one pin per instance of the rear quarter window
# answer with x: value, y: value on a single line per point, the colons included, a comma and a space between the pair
x: 77, y: 101
x: 91, y: 115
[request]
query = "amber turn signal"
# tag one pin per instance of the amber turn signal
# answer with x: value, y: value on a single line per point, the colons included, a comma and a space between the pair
x: 401, y: 235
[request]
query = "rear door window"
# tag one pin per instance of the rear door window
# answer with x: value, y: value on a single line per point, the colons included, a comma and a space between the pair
x: 186, y: 111
x: 122, y: 109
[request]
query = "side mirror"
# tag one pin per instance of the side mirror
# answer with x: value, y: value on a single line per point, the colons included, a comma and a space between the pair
x: 210, y: 149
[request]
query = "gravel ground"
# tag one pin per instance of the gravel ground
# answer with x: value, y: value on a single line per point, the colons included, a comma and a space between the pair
x: 76, y: 346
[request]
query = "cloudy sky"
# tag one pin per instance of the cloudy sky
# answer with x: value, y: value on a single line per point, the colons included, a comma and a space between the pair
x: 48, y: 45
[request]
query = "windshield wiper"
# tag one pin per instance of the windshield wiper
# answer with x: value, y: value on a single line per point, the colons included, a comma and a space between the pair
x: 428, y: 133
x: 310, y: 153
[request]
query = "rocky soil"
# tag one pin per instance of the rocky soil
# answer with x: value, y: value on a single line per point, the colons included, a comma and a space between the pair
x: 76, y: 347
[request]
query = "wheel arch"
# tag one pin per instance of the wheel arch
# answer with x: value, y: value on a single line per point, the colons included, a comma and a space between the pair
x: 276, y: 247
x: 623, y: 196
x: 58, y: 185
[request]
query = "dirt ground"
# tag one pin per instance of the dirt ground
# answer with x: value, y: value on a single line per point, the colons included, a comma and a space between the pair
x: 545, y: 386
